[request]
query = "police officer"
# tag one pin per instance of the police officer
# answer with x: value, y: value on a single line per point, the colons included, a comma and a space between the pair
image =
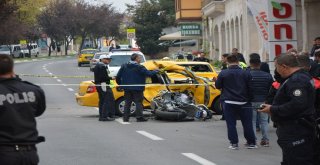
x: 102, y: 80
x: 20, y: 103
x: 292, y: 110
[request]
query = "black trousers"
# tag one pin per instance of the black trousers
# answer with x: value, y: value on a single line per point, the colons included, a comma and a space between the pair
x: 137, y: 98
x: 19, y: 157
x: 296, y: 142
x: 106, y: 103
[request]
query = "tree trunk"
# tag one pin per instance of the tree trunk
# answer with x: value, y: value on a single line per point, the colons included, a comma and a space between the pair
x: 67, y: 46
x: 83, y: 37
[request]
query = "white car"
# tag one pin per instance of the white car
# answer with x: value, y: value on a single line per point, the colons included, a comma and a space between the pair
x: 15, y: 50
x: 34, y: 49
x: 119, y: 58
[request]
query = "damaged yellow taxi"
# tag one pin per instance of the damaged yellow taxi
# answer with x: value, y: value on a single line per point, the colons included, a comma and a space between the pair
x: 173, y: 77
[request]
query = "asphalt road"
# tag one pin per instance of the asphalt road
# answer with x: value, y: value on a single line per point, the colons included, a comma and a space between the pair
x: 75, y: 136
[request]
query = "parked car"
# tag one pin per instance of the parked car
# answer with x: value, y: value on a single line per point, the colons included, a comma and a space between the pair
x: 95, y: 59
x: 85, y: 56
x: 203, y: 90
x: 34, y: 50
x: 15, y: 52
x: 121, y: 57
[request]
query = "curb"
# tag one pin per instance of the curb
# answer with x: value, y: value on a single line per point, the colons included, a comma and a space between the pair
x: 41, y: 59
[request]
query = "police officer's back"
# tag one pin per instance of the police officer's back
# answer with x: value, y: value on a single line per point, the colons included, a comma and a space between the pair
x: 20, y: 103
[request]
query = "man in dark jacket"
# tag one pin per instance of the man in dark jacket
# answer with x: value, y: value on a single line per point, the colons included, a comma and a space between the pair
x: 102, y: 81
x: 132, y: 76
x: 235, y: 99
x: 260, y: 85
x: 292, y: 110
x: 316, y: 45
x: 20, y: 103
x: 239, y: 55
x: 201, y: 57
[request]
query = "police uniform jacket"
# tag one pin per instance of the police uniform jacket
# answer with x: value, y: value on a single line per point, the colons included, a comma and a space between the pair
x: 294, y: 99
x: 20, y: 103
x: 101, y: 74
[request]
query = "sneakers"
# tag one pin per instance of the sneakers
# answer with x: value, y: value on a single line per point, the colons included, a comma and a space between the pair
x: 250, y: 146
x: 234, y: 147
x: 141, y: 119
x: 264, y: 143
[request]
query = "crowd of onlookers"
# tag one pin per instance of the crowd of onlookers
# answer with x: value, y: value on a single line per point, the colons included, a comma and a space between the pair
x: 250, y: 93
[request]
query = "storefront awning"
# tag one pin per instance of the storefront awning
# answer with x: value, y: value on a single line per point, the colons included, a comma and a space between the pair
x: 177, y: 36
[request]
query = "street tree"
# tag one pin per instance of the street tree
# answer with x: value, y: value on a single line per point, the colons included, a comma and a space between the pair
x: 10, y: 26
x: 149, y: 18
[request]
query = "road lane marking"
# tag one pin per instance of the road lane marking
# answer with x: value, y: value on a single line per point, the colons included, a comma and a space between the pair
x: 64, y: 85
x: 119, y: 120
x: 55, y: 77
x: 198, y: 159
x: 149, y: 135
x: 50, y: 73
x: 58, y: 80
x: 70, y: 89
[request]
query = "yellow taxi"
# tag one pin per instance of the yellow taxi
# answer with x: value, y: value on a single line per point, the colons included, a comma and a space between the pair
x: 202, y: 69
x: 85, y: 56
x: 172, y: 77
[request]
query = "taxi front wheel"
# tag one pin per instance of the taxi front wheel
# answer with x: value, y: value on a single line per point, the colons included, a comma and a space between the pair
x: 120, y: 107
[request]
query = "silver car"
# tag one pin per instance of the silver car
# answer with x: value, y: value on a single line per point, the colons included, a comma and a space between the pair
x: 95, y: 60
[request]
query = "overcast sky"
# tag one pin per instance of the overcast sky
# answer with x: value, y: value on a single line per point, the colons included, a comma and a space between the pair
x: 118, y: 4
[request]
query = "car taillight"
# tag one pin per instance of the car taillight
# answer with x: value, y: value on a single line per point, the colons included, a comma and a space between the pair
x: 91, y: 89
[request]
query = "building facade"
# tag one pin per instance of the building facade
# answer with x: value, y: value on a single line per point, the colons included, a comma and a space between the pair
x: 230, y: 24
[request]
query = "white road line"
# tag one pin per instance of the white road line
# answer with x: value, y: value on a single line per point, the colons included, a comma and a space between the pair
x: 50, y: 73
x: 55, y: 77
x: 58, y: 80
x: 70, y: 89
x: 119, y: 120
x: 64, y: 85
x: 149, y: 135
x: 198, y: 159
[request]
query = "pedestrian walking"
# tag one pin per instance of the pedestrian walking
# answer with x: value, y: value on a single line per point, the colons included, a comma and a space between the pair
x: 292, y: 110
x: 20, y: 103
x: 102, y: 80
x: 129, y: 75
x: 235, y: 99
x: 260, y: 85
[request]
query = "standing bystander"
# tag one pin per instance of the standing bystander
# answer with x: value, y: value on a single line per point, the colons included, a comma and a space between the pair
x: 235, y: 99
x: 316, y: 45
x: 240, y: 56
x: 20, y: 103
x: 129, y: 75
x: 260, y: 85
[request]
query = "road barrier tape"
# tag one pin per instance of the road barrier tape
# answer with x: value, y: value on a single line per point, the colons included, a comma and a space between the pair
x: 136, y: 85
x: 53, y: 76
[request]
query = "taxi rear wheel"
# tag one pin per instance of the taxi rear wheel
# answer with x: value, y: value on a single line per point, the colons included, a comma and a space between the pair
x: 79, y: 64
x: 216, y: 106
x: 120, y: 107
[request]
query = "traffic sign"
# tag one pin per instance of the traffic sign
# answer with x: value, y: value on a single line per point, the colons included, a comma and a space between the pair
x: 131, y: 33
